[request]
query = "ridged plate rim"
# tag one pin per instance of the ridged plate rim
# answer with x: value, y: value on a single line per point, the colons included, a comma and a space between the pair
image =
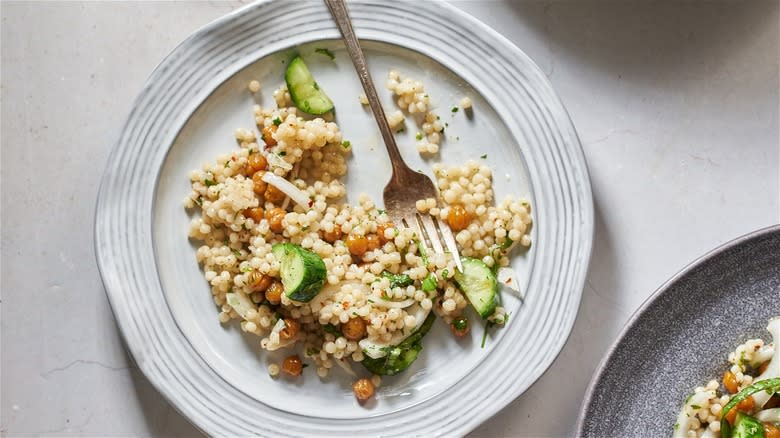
x: 556, y: 164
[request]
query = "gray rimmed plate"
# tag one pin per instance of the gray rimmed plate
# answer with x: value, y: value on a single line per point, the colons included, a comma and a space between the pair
x: 681, y: 336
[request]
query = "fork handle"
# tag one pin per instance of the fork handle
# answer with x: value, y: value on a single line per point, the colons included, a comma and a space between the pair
x: 340, y: 15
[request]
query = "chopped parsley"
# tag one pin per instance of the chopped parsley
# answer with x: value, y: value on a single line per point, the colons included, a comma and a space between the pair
x: 454, y: 109
x: 198, y: 201
x: 246, y: 269
x: 445, y: 273
x: 304, y: 365
x: 346, y: 144
x: 277, y: 121
x: 237, y: 253
x: 380, y: 211
x: 332, y: 329
x: 401, y: 129
x: 305, y: 227
x: 696, y: 406
x: 488, y: 326
x: 282, y: 153
x: 325, y: 52
x: 252, y: 151
x: 312, y: 351
x: 418, y: 136
x: 209, y: 182
x: 227, y: 163
x: 483, y: 156
x: 430, y: 283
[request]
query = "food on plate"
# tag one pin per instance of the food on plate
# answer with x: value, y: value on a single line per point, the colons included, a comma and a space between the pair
x: 747, y: 404
x: 335, y: 282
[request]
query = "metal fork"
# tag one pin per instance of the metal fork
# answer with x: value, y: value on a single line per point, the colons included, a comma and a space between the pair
x: 406, y: 186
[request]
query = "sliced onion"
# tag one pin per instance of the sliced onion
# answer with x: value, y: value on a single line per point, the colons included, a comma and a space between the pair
x: 283, y: 344
x: 274, y: 160
x: 393, y: 304
x: 299, y: 196
x: 279, y: 326
x: 240, y: 303
x: 769, y: 415
x: 508, y: 278
x: 773, y: 369
x: 346, y: 367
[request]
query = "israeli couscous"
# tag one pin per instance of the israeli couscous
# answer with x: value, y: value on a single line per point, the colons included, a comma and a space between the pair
x: 334, y: 282
x: 746, y: 403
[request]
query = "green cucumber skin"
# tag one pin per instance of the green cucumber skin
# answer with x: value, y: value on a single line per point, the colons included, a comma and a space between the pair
x: 403, y: 355
x: 484, y: 305
x: 304, y: 90
x: 746, y: 426
x: 311, y: 279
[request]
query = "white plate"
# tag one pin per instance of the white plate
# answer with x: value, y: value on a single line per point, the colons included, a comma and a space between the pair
x: 186, y: 115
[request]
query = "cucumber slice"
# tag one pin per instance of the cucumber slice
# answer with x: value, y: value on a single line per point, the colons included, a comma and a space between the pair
x: 303, y: 272
x: 479, y: 284
x: 746, y: 426
x: 304, y: 91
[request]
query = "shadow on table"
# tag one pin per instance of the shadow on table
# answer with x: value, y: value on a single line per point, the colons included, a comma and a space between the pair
x: 162, y: 420
x: 650, y: 42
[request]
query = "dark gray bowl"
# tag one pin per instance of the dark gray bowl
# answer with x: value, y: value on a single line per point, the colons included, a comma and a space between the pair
x: 681, y: 336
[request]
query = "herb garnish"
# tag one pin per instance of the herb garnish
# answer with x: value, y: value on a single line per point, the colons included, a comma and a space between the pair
x: 326, y: 52
x: 277, y: 121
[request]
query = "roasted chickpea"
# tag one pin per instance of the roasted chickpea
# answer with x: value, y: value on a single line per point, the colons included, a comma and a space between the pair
x: 274, y: 292
x: 380, y: 231
x: 357, y: 245
x: 256, y: 162
x: 272, y: 194
x: 258, y: 185
x: 267, y: 134
x: 372, y: 242
x: 771, y: 431
x: 730, y: 382
x: 275, y: 217
x: 745, y: 406
x: 292, y: 365
x: 458, y: 218
x: 363, y: 389
x: 256, y: 214
x: 460, y: 326
x: 332, y: 236
x: 354, y: 329
x: 290, y: 330
x: 259, y: 282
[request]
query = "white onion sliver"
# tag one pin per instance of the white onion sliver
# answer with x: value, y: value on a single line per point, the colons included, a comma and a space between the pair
x: 299, y: 196
x: 240, y: 303
x: 769, y: 415
x: 393, y: 304
x: 280, y: 325
x: 508, y: 278
x: 346, y: 367
x: 276, y: 161
x: 283, y: 344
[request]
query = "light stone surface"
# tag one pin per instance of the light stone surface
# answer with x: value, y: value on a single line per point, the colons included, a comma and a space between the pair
x: 676, y: 105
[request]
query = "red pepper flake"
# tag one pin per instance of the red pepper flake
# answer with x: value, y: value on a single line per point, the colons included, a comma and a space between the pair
x: 311, y: 203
